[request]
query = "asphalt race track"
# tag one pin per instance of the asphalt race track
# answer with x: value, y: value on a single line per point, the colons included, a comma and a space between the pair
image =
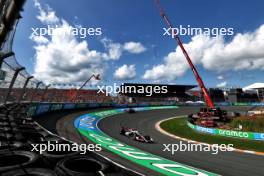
x: 224, y: 163
x: 62, y: 124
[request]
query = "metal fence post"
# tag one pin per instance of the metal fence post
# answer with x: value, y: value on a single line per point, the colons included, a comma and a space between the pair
x: 12, y: 83
x: 54, y: 95
x: 45, y: 91
x: 35, y: 90
x: 5, y: 55
x: 24, y: 89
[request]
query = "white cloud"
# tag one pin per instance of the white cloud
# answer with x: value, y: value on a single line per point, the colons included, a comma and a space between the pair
x: 46, y: 16
x: 62, y: 58
x: 39, y: 39
x: 134, y: 47
x: 243, y: 52
x: 115, y: 50
x: 220, y: 77
x: 125, y: 72
x: 222, y: 84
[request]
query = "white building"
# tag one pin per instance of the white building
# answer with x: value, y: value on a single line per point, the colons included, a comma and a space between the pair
x: 259, y: 87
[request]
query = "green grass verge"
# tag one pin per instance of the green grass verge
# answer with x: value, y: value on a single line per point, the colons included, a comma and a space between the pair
x: 253, y: 124
x: 178, y: 126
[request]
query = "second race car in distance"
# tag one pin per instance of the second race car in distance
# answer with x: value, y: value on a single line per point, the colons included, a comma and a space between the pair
x: 130, y: 110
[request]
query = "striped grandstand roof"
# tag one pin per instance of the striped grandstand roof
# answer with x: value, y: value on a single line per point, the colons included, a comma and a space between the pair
x: 254, y: 86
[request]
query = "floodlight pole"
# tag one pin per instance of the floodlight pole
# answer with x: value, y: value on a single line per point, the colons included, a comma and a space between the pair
x: 24, y: 88
x: 96, y: 77
x: 12, y: 83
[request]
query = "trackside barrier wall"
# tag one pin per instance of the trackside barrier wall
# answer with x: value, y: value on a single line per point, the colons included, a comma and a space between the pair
x: 227, y: 133
x: 40, y: 108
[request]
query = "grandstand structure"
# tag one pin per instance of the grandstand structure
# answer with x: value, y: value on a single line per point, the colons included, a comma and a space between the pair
x: 239, y: 95
x: 234, y: 95
x: 187, y: 93
x: 259, y: 88
x: 217, y: 95
x: 175, y: 93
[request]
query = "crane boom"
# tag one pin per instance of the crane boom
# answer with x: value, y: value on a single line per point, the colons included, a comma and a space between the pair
x: 207, y: 97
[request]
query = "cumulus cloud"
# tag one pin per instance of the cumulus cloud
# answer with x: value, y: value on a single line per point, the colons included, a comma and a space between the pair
x: 220, y: 77
x: 134, y: 47
x: 62, y: 58
x: 243, y: 52
x: 46, y: 16
x: 125, y: 72
x: 222, y: 84
x: 39, y: 39
x: 116, y: 49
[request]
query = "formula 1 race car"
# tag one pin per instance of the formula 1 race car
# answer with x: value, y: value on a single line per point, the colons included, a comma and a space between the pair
x: 133, y: 133
x: 129, y: 132
x: 130, y: 110
x: 145, y: 139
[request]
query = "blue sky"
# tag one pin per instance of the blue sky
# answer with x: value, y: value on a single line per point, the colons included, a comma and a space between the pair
x: 138, y: 21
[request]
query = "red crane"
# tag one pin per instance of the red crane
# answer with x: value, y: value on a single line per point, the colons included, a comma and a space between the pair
x: 207, y: 97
